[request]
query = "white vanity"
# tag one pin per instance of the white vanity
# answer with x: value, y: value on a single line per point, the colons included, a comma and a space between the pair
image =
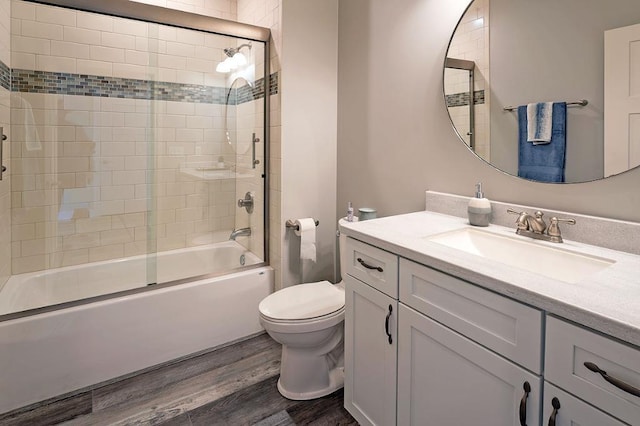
x: 436, y: 335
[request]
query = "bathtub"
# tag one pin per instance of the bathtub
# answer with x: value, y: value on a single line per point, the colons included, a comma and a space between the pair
x: 60, y: 285
x: 54, y: 352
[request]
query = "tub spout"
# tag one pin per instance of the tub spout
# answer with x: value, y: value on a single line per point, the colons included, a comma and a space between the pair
x: 242, y: 232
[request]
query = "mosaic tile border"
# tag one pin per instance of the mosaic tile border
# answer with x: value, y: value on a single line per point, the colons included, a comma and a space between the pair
x: 31, y: 81
x: 462, y: 99
x: 5, y: 76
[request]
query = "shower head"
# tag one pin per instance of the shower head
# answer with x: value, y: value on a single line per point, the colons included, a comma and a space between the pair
x: 231, y: 51
x: 234, y: 59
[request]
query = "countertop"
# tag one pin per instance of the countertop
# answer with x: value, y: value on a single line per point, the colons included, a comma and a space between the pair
x: 608, y: 301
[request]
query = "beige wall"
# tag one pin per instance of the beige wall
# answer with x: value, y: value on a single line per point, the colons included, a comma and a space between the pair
x: 309, y: 146
x: 395, y: 122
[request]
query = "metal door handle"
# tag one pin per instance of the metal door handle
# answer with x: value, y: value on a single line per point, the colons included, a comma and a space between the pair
x: 3, y: 137
x: 254, y: 141
x: 555, y: 403
x: 386, y: 324
x: 366, y: 265
x: 615, y: 382
x: 523, y: 404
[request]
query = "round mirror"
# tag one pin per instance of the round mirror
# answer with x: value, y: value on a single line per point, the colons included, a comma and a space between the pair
x: 567, y: 71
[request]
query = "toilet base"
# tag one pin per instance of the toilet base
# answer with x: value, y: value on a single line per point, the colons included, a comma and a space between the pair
x: 311, y: 371
x: 336, y: 381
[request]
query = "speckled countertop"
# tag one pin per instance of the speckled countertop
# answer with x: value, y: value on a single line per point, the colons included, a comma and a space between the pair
x: 607, y: 301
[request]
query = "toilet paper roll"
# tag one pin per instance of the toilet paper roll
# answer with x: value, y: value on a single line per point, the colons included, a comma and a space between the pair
x: 307, y: 233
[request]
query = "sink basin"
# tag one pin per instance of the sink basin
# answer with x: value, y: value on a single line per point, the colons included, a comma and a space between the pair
x: 551, y: 262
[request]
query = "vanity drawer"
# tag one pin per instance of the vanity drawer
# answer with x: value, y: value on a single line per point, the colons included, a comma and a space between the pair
x: 502, y: 325
x: 374, y: 266
x: 568, y: 347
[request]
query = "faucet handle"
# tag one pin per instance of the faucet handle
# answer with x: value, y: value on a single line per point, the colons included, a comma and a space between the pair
x: 522, y: 219
x: 512, y: 211
x: 569, y: 221
x: 554, y: 229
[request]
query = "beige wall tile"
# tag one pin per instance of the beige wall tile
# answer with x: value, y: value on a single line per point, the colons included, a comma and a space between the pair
x: 55, y: 15
x: 81, y: 35
x: 94, y: 21
x: 83, y: 196
x: 113, y: 251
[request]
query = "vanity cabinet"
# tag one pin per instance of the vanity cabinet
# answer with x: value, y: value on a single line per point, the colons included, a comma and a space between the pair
x: 371, y: 337
x: 458, y: 353
x: 426, y: 348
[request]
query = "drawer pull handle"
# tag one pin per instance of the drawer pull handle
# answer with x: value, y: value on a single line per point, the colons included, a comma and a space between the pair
x: 386, y: 324
x: 366, y: 265
x: 555, y: 403
x: 615, y: 382
x: 523, y: 404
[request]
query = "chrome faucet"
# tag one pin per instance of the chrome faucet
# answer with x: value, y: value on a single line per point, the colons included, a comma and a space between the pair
x: 242, y: 232
x: 534, y: 226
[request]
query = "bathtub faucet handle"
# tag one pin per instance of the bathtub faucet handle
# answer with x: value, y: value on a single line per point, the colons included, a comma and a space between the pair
x: 246, y: 202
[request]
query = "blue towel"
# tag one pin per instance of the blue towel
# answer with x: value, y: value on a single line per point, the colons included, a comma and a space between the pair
x: 543, y: 162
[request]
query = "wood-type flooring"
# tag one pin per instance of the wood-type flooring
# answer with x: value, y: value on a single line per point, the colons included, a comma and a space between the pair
x: 233, y: 385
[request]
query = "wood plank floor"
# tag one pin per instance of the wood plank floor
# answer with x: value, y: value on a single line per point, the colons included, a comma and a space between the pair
x: 234, y: 385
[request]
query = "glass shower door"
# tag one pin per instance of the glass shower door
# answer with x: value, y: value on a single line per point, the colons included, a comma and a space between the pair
x: 126, y: 168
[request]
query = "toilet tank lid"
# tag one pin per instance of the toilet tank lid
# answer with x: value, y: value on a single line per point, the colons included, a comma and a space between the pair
x: 303, y: 301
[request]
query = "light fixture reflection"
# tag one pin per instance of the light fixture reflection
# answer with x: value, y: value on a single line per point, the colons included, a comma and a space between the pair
x: 239, y: 59
x: 223, y: 67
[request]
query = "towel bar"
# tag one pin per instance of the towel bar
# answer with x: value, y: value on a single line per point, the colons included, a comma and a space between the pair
x: 292, y: 224
x: 582, y: 102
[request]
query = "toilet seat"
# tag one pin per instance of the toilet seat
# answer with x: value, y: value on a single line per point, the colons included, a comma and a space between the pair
x: 303, y: 303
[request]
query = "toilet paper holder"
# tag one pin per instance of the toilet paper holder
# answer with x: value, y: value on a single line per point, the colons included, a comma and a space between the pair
x: 292, y: 224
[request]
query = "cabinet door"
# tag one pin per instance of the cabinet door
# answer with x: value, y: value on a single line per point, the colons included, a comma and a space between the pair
x: 564, y: 409
x: 370, y: 354
x: 445, y: 379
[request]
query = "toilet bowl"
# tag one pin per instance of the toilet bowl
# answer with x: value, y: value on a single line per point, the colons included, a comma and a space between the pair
x: 308, y: 320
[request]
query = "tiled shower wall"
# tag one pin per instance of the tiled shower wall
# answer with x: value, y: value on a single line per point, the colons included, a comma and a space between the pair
x: 5, y: 184
x: 82, y: 168
x: 471, y: 42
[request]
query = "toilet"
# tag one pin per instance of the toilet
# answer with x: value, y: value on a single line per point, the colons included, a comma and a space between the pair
x: 308, y: 320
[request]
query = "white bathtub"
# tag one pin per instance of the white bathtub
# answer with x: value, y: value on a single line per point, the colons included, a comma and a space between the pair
x: 60, y: 285
x: 52, y: 353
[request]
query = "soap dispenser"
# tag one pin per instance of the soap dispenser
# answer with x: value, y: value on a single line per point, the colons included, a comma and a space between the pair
x: 479, y: 209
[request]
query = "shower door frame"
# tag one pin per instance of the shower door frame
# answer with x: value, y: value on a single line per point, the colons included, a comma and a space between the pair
x: 469, y: 66
x: 158, y: 15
